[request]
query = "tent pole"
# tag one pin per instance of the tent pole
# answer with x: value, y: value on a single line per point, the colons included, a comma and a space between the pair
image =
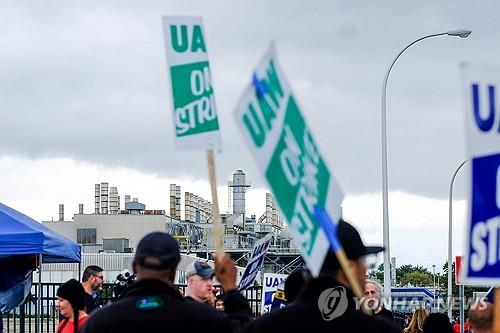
x: 38, y: 307
x: 80, y: 271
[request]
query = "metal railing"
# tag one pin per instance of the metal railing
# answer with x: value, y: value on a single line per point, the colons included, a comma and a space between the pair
x: 23, y: 318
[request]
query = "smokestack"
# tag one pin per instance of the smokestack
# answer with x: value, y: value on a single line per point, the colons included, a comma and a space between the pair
x: 178, y: 202
x: 239, y: 187
x: 80, y: 209
x: 61, y: 212
x: 114, y: 202
x: 173, y: 212
x: 104, y: 198
x: 97, y: 198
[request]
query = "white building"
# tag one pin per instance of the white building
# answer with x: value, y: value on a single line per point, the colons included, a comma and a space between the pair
x: 92, y: 229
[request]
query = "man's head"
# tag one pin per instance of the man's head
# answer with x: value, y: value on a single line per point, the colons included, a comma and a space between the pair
x: 93, y: 278
x: 199, y: 278
x: 437, y: 323
x: 294, y: 284
x: 71, y: 298
x: 355, y: 252
x: 156, y: 257
x: 481, y: 317
x: 373, y: 294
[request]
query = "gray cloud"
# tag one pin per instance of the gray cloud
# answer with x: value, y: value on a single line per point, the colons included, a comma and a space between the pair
x: 88, y: 81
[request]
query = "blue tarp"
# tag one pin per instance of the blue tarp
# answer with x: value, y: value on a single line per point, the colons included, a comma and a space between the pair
x: 20, y: 234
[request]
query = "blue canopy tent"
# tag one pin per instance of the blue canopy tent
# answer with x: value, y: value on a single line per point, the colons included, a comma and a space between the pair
x: 25, y: 244
x: 20, y: 234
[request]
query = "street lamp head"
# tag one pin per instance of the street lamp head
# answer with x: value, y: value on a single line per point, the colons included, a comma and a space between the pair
x: 459, y: 33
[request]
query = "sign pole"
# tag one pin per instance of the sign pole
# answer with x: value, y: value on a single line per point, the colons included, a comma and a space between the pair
x: 342, y: 258
x: 496, y: 313
x: 218, y: 231
x: 329, y: 229
x: 461, y: 293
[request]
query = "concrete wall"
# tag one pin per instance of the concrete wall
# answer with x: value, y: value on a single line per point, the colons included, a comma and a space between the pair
x: 65, y: 228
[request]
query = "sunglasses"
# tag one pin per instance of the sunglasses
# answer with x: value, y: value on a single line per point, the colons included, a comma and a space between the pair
x: 99, y: 276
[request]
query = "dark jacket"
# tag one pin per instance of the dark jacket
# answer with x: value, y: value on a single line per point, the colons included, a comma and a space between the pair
x: 305, y: 313
x: 386, y: 315
x: 151, y: 305
x: 91, y: 303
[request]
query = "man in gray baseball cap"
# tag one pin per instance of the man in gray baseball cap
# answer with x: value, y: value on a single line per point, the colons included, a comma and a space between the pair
x: 199, y: 282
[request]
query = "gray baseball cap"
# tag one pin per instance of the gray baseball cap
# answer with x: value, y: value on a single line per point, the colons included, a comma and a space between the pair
x: 201, y: 269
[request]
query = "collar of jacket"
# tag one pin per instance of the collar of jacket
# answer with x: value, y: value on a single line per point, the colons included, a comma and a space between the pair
x: 316, y: 286
x: 147, y: 287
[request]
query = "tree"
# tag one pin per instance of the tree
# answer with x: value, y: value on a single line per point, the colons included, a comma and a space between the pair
x: 468, y: 291
x: 377, y: 274
x: 401, y: 271
x: 417, y: 278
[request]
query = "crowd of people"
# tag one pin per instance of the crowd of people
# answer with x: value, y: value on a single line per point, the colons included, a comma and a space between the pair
x: 324, y: 303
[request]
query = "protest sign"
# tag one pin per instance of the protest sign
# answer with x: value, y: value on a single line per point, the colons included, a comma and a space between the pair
x: 255, y: 263
x: 288, y: 157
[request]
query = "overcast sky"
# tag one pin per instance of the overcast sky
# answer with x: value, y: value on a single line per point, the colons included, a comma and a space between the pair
x: 84, y: 98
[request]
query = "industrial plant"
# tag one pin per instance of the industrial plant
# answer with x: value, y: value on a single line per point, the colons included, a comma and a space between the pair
x: 113, y: 233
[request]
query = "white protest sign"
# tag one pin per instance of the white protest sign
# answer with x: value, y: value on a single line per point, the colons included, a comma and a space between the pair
x: 255, y: 263
x: 269, y: 287
x: 288, y: 157
x: 195, y: 115
x: 481, y: 265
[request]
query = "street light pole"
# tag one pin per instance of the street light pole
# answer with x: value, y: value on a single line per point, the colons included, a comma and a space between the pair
x: 385, y: 201
x: 434, y: 287
x: 450, y: 227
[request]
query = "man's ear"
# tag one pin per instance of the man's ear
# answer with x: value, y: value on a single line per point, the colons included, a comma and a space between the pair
x: 171, y: 274
x: 134, y: 267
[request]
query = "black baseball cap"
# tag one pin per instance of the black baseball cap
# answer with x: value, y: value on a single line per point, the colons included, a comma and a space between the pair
x: 157, y: 251
x: 351, y: 243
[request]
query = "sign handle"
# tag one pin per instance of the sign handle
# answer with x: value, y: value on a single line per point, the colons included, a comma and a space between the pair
x: 342, y: 258
x: 330, y: 230
x: 218, y: 231
x: 496, y: 312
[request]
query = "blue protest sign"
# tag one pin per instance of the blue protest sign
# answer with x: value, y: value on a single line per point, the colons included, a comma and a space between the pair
x: 270, y: 285
x: 255, y: 263
x: 482, y: 254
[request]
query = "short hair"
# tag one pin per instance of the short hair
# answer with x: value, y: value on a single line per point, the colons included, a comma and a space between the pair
x: 481, y: 316
x: 89, y: 271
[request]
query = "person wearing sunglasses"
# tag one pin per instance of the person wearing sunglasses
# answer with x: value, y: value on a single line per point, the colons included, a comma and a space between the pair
x: 92, y: 281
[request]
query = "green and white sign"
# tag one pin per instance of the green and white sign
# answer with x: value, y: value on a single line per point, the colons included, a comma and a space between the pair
x: 195, y: 114
x: 288, y: 156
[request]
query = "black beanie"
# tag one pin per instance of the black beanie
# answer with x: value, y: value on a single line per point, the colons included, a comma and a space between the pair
x: 73, y: 291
